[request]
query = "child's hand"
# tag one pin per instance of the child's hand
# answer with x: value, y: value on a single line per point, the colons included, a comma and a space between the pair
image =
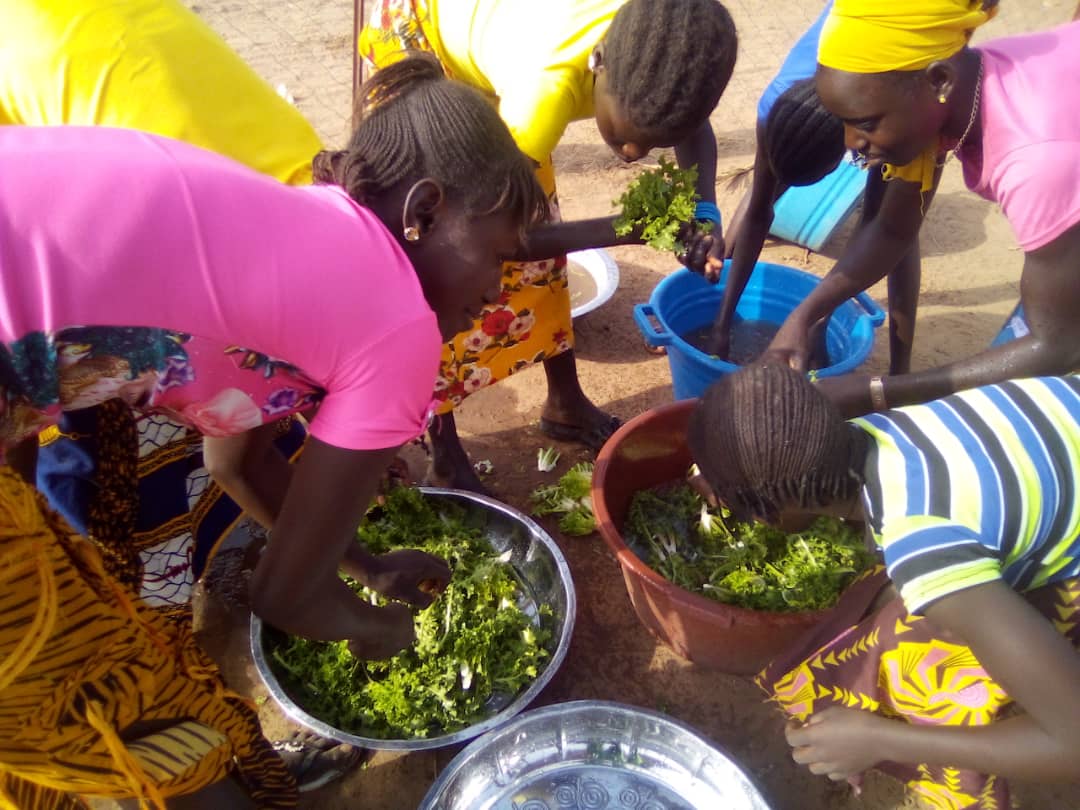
x: 703, y: 251
x: 838, y: 742
x: 409, y: 575
x: 389, y: 632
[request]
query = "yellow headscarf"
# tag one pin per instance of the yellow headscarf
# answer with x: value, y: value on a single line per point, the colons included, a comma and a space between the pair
x: 877, y: 36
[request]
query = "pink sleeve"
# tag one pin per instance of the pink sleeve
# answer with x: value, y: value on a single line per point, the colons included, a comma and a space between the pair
x: 1038, y: 188
x: 384, y: 397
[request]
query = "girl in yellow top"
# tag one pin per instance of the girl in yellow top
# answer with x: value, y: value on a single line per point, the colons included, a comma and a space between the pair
x: 151, y: 65
x: 649, y: 71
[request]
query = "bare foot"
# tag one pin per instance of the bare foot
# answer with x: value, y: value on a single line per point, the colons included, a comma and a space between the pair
x: 450, y: 465
x: 568, y: 414
x: 455, y: 475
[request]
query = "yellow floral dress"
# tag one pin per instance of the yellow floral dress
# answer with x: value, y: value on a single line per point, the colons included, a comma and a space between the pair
x: 538, y: 95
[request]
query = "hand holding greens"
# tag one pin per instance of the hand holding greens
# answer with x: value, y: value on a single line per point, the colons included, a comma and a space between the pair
x: 473, y: 644
x: 659, y: 203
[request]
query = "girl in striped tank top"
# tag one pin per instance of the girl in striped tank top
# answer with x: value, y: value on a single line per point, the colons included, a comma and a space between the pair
x: 972, y: 501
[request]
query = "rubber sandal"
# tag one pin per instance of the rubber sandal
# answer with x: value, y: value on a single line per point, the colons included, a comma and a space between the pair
x: 592, y: 437
x: 315, y: 761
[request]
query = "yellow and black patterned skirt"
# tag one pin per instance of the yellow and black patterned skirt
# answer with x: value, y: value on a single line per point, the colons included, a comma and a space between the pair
x: 101, y: 695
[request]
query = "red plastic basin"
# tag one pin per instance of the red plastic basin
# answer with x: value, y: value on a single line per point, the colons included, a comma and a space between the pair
x: 649, y: 450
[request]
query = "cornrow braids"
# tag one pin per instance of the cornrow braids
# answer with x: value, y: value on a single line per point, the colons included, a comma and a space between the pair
x: 804, y: 141
x: 414, y: 122
x: 764, y: 438
x: 668, y: 61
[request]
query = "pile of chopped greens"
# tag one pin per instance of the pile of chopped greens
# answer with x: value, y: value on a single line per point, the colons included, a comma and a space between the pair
x: 570, y: 499
x: 473, y: 644
x: 706, y: 551
x: 658, y: 203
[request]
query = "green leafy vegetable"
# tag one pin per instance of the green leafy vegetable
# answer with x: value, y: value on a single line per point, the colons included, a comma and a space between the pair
x: 658, y: 203
x: 473, y: 645
x: 547, y: 458
x: 746, y: 564
x: 570, y: 498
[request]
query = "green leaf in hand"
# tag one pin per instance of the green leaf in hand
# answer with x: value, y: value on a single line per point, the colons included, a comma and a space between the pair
x: 658, y: 203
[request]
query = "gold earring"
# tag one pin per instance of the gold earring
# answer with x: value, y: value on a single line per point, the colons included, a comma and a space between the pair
x: 941, y: 98
x: 412, y: 233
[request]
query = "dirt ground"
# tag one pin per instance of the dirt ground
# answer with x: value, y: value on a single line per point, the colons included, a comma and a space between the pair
x: 971, y: 267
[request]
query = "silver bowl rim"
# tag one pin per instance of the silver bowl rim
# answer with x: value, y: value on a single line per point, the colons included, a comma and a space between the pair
x: 293, y: 711
x: 466, y: 755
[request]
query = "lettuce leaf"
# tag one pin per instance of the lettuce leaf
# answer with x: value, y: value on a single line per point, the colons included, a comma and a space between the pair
x: 474, y: 645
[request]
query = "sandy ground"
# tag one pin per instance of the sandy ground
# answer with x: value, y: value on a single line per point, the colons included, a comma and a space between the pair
x: 971, y: 268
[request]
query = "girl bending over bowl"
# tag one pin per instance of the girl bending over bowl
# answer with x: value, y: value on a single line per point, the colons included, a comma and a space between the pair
x: 955, y: 666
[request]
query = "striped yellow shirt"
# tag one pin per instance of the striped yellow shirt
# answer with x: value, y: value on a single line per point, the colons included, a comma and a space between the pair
x: 976, y: 487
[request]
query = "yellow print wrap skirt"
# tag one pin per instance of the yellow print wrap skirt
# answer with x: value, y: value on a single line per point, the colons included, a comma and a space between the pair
x: 905, y: 667
x: 531, y: 320
x: 100, y: 695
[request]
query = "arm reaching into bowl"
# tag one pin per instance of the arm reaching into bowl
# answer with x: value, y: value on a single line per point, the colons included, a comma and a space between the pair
x: 255, y: 474
x: 296, y: 586
x: 798, y: 143
x: 1050, y: 297
x: 886, y: 238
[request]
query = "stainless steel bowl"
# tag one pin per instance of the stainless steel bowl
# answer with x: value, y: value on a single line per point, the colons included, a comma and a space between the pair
x: 593, y: 755
x: 545, y: 577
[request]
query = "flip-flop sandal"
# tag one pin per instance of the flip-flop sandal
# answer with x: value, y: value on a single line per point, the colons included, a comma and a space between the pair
x: 592, y: 437
x: 316, y: 761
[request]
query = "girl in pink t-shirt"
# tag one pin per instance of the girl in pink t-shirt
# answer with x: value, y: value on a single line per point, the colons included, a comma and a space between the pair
x: 137, y: 267
x: 1010, y: 111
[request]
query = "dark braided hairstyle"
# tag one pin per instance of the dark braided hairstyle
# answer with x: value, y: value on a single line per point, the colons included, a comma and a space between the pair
x: 668, y: 61
x: 804, y: 141
x: 414, y: 122
x: 765, y: 438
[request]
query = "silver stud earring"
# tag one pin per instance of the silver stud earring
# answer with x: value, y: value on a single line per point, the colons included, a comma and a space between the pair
x: 592, y: 62
x: 412, y: 233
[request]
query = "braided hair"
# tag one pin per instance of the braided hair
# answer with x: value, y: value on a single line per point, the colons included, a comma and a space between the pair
x: 804, y: 141
x: 668, y: 61
x: 765, y: 438
x: 414, y: 122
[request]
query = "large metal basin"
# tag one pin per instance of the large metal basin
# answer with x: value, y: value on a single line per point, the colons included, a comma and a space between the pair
x: 545, y: 577
x: 593, y: 755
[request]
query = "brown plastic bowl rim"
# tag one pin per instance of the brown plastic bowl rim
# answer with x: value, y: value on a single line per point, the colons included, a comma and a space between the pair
x: 629, y: 561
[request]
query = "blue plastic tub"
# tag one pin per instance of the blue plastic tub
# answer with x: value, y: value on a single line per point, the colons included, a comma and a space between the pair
x: 807, y: 215
x: 685, y: 301
x: 1016, y: 326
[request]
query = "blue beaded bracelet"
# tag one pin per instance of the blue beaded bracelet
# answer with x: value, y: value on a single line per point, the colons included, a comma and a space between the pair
x: 707, y: 211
